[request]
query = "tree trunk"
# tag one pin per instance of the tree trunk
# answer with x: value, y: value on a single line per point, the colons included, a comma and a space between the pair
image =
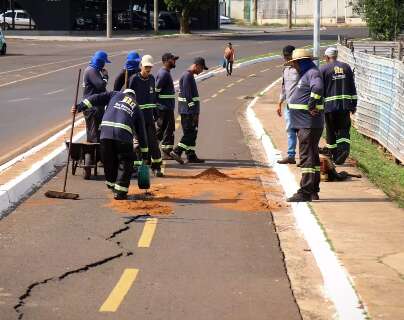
x: 290, y: 14
x: 184, y: 21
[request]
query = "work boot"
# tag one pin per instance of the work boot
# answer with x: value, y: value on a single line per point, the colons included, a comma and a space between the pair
x: 299, y: 197
x: 177, y: 157
x: 287, y: 160
x: 325, y: 151
x: 158, y: 173
x: 315, y: 196
x: 340, y: 159
x: 193, y: 158
x: 120, y: 195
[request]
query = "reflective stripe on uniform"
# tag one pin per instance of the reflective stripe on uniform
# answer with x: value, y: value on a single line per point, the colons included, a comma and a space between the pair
x: 120, y: 188
x: 87, y: 103
x: 144, y: 149
x: 304, y: 107
x: 308, y: 170
x: 182, y: 99
x: 317, y: 168
x: 157, y: 160
x: 355, y: 97
x: 147, y: 106
x: 116, y: 125
x: 331, y: 146
x: 184, y: 146
x: 315, y: 96
x: 340, y: 97
x: 342, y: 140
x: 137, y: 162
x: 167, y: 146
x: 195, y: 99
x: 158, y: 90
x: 110, y: 184
x: 167, y: 96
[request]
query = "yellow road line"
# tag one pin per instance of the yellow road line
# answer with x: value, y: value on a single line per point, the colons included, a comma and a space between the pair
x: 119, y: 292
x: 241, y: 80
x: 148, y: 232
x: 252, y: 75
x: 222, y: 90
x: 230, y: 85
x: 265, y: 70
x: 214, y: 95
x: 206, y: 100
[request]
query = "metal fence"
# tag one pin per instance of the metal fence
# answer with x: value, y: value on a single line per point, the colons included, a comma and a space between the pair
x: 387, y: 49
x: 380, y: 85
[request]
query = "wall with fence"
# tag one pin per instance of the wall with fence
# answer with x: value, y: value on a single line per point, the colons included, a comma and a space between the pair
x: 380, y: 85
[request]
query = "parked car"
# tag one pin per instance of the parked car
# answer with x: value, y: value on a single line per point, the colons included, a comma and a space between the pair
x: 171, y: 20
x: 3, y: 45
x: 22, y: 20
x: 225, y: 20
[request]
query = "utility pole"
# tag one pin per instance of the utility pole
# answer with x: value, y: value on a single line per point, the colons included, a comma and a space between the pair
x: 109, y: 18
x: 290, y: 15
x: 156, y: 16
x: 316, y: 34
x: 336, y: 12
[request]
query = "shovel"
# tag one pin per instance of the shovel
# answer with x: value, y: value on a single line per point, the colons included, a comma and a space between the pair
x: 63, y: 194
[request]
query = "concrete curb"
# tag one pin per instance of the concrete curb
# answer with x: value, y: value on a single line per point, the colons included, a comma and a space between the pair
x: 337, y: 281
x: 14, y: 191
x: 21, y: 186
x: 71, y: 38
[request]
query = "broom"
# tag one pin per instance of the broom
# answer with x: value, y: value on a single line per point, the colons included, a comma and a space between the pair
x: 63, y: 194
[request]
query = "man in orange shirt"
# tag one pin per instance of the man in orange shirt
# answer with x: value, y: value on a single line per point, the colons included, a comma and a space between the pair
x: 229, y: 57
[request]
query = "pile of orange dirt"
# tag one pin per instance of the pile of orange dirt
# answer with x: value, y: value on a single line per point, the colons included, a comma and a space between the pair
x: 235, y: 189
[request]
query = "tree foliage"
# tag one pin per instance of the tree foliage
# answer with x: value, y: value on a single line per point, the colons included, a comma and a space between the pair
x: 385, y: 18
x: 185, y: 7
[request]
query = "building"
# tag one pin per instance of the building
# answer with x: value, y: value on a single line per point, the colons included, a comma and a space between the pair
x: 276, y: 11
x: 67, y: 15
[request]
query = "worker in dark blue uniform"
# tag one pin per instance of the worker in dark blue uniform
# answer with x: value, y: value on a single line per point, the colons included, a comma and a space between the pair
x: 307, y: 116
x: 166, y: 104
x: 122, y: 119
x: 143, y: 83
x: 95, y: 81
x: 131, y: 67
x: 189, y: 109
x: 340, y: 101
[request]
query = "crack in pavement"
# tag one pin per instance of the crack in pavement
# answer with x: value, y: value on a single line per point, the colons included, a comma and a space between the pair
x: 22, y: 299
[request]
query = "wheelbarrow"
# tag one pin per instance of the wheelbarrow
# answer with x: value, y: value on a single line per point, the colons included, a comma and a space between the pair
x: 84, y: 155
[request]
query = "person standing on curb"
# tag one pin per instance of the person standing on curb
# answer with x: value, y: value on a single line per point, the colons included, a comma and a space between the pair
x: 189, y: 109
x: 229, y: 56
x: 131, y: 67
x: 166, y: 104
x: 143, y: 83
x: 122, y: 119
x: 307, y: 116
x: 340, y: 101
x: 290, y: 77
x: 95, y: 81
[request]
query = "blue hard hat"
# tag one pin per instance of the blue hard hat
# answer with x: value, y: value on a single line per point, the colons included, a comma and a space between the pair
x: 101, y: 55
x: 133, y: 56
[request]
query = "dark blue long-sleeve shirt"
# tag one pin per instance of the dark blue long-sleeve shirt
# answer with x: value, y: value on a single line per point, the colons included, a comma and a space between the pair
x: 165, y: 90
x: 145, y: 95
x: 93, y: 82
x: 188, y: 98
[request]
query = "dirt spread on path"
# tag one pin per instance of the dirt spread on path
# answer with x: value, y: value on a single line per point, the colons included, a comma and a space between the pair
x: 235, y: 189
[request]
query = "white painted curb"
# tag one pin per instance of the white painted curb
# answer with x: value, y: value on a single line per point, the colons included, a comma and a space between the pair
x: 15, y: 190
x: 337, y: 282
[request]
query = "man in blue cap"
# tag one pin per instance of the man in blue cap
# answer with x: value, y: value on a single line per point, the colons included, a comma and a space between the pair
x: 131, y: 67
x: 95, y: 81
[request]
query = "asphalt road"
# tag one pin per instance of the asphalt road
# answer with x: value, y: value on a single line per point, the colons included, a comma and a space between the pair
x: 37, y: 77
x: 62, y: 259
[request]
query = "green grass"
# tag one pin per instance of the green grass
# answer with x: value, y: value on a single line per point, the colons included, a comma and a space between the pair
x: 378, y: 166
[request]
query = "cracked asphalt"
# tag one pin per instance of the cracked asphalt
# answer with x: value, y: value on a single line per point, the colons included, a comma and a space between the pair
x: 61, y: 259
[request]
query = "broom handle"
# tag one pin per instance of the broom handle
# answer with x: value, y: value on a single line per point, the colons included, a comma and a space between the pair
x: 71, y: 131
x: 126, y: 79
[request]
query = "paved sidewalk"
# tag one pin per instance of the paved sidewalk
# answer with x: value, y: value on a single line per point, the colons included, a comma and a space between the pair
x: 364, y: 227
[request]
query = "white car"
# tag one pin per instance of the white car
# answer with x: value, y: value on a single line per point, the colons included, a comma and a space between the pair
x: 21, y: 20
x: 225, y: 20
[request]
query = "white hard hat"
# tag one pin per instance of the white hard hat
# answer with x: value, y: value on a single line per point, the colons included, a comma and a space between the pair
x: 147, y: 61
x: 331, y: 52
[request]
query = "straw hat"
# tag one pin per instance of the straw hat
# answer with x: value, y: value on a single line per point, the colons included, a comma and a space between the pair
x: 147, y: 61
x: 299, y: 54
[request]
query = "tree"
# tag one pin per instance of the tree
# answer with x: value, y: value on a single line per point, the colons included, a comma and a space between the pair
x: 385, y: 18
x: 185, y: 7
